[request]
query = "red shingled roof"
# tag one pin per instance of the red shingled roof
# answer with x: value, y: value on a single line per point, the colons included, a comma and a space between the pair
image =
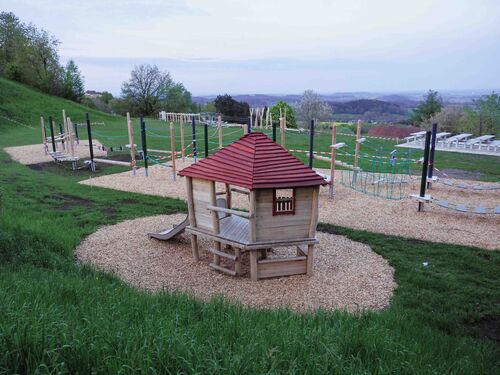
x: 254, y: 162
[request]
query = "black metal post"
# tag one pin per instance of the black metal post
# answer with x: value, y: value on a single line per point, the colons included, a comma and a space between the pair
x: 205, y: 131
x: 61, y: 134
x: 311, y: 144
x: 52, y: 134
x: 91, y: 145
x: 193, y: 124
x: 249, y: 123
x: 144, y: 146
x: 274, y: 131
x: 431, y: 156
x: 76, y: 133
x: 424, y: 169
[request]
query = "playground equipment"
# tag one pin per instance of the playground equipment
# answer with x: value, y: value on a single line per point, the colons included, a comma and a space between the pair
x: 171, y: 233
x: 283, y: 194
x: 65, y: 139
x: 427, y: 179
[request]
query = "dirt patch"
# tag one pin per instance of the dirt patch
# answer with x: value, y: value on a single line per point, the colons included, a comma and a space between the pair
x: 460, y: 174
x: 347, y: 274
x: 488, y: 326
x: 68, y: 202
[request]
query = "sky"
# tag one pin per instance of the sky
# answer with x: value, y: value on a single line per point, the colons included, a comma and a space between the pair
x: 278, y: 46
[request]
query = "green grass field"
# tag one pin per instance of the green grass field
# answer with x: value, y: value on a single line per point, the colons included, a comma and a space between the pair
x: 57, y: 316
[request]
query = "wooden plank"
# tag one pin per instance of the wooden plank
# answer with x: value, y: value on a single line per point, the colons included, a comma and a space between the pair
x: 241, y: 191
x: 282, y: 260
x: 223, y: 269
x: 194, y: 247
x: 282, y: 268
x: 237, y: 263
x: 314, y: 212
x: 113, y: 162
x: 229, y: 202
x: 213, y: 203
x: 222, y: 254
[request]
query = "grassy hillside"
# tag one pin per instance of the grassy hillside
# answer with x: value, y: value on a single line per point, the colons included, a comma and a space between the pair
x: 57, y: 316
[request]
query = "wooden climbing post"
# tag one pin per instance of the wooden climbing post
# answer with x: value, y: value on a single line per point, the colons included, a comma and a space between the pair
x: 356, y: 152
x: 133, y: 163
x: 71, y: 140
x: 51, y: 123
x: 193, y: 124
x: 172, y: 149
x: 144, y: 146
x: 181, y: 124
x: 274, y: 131
x: 311, y: 144
x: 219, y: 127
x: 91, y: 145
x: 44, y: 136
x: 205, y: 136
x: 331, y: 191
x: 282, y: 129
x: 76, y: 133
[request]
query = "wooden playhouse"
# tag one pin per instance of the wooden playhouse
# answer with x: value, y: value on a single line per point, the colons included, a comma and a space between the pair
x: 282, y: 207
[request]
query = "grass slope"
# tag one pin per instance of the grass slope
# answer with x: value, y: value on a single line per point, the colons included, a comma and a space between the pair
x: 60, y: 317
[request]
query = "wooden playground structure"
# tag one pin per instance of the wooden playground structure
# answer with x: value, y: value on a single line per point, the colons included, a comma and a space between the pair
x: 282, y: 207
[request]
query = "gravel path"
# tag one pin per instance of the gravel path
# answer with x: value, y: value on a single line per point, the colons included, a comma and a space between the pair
x: 357, y: 210
x: 35, y: 154
x: 347, y: 274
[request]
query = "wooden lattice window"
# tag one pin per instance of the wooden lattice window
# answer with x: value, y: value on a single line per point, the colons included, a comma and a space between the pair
x: 284, y: 202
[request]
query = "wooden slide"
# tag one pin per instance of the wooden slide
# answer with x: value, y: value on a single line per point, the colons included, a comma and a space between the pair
x: 170, y: 233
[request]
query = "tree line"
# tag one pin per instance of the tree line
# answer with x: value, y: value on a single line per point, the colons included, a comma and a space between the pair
x: 29, y: 55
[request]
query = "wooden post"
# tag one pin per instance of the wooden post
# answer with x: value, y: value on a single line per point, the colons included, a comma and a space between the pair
x: 284, y: 120
x: 194, y: 139
x: 181, y: 124
x: 267, y: 118
x: 312, y: 229
x: 229, y: 202
x: 44, y: 136
x: 71, y: 140
x: 282, y: 129
x: 356, y: 152
x: 215, y: 221
x: 172, y: 149
x: 245, y: 128
x: 219, y: 127
x: 65, y: 122
x: 133, y: 162
x: 192, y: 218
x: 331, y: 191
x: 253, y: 265
x: 261, y: 116
x: 424, y: 169
x: 251, y: 115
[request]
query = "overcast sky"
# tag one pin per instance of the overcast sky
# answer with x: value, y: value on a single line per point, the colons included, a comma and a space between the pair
x: 279, y: 46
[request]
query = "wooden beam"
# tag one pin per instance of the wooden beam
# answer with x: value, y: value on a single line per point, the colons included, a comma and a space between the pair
x: 172, y: 149
x: 228, y: 211
x: 133, y: 162
x: 189, y: 190
x: 229, y: 197
x: 181, y: 122
x: 222, y: 254
x: 222, y: 269
x: 241, y: 191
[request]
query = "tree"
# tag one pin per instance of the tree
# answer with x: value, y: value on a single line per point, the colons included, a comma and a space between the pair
x: 232, y: 109
x: 147, y: 89
x: 106, y: 97
x: 72, y: 84
x: 311, y: 106
x: 449, y: 119
x: 178, y: 99
x: 431, y: 105
x: 291, y: 122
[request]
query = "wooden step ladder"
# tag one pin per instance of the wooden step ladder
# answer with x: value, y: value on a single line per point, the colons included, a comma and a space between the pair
x: 236, y: 258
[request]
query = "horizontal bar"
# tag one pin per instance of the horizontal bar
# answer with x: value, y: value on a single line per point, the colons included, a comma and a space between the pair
x: 229, y: 211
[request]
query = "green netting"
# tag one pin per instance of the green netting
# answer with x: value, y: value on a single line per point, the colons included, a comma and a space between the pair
x: 381, y: 177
